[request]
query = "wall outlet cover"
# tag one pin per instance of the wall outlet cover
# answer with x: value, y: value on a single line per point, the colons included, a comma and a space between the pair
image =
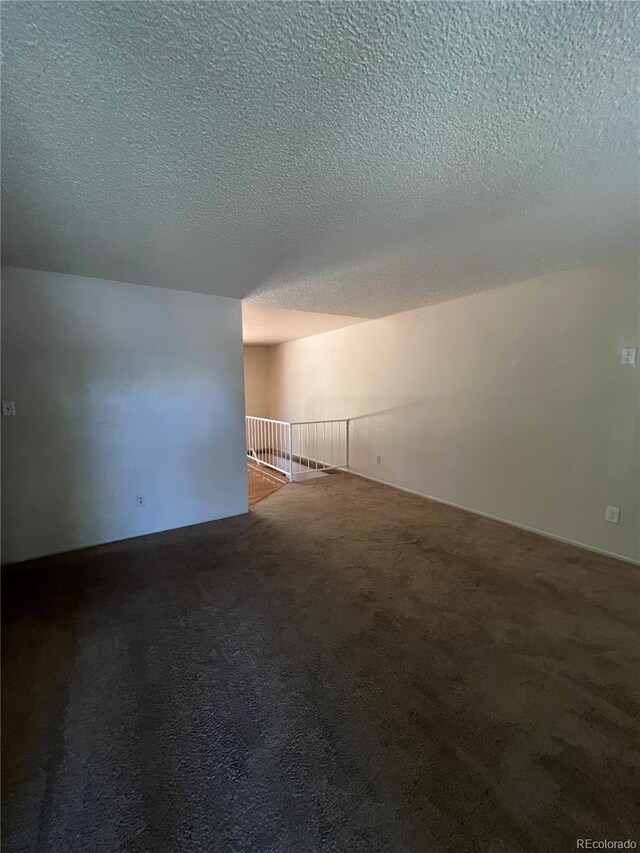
x: 629, y: 355
x: 140, y: 501
x: 612, y: 514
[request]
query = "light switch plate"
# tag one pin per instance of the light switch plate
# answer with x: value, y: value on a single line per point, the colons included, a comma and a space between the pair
x: 8, y: 407
x: 629, y: 355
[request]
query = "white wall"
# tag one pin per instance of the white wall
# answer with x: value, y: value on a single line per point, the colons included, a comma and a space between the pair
x: 510, y: 402
x: 256, y: 381
x: 120, y: 390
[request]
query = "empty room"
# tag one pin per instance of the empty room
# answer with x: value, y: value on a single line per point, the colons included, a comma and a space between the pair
x: 320, y: 426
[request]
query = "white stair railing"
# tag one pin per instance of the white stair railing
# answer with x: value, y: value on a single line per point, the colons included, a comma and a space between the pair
x: 320, y: 445
x: 298, y: 448
x: 269, y: 443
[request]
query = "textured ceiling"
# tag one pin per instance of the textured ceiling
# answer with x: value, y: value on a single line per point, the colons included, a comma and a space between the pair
x: 262, y: 326
x: 356, y: 158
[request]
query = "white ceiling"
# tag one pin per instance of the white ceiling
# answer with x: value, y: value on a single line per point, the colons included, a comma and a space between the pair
x: 266, y: 326
x: 354, y: 158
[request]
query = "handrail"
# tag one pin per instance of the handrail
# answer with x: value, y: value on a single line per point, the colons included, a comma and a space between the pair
x: 296, y: 448
x: 331, y: 421
x: 267, y: 420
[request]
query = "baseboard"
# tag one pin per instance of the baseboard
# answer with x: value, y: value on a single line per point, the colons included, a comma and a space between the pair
x: 152, y: 531
x: 508, y: 521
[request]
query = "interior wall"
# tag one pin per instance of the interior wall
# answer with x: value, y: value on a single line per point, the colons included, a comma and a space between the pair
x: 256, y: 381
x: 511, y: 402
x: 120, y: 390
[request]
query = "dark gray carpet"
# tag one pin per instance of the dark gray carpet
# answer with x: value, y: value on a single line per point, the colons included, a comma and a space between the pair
x: 348, y: 668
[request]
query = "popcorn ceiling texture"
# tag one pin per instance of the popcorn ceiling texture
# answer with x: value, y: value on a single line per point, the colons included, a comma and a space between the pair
x: 361, y: 158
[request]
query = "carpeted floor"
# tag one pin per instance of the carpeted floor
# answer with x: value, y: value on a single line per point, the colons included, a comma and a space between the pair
x: 348, y: 668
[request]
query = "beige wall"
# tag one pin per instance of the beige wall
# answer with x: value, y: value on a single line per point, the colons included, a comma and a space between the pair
x: 256, y: 381
x: 511, y: 402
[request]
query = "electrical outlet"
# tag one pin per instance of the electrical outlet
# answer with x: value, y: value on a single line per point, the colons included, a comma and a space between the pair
x: 378, y: 459
x: 629, y: 355
x: 612, y: 514
x: 8, y: 407
x: 140, y: 500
